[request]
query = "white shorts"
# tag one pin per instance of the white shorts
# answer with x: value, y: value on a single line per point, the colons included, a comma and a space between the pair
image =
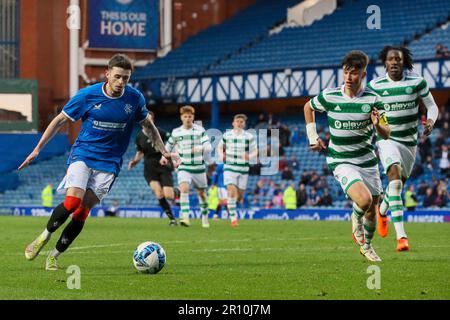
x: 198, y: 180
x: 223, y: 193
x: 391, y: 152
x: 237, y: 179
x: 347, y: 174
x: 79, y: 175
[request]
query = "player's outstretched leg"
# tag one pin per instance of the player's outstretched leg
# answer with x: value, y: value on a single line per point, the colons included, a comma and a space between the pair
x: 203, y: 207
x: 70, y: 232
x: 168, y: 211
x: 370, y: 223
x: 184, y: 206
x: 357, y: 225
x: 396, y: 205
x: 58, y: 217
x: 383, y: 221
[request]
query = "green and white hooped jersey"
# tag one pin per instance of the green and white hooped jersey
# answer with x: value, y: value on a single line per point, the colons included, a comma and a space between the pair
x: 236, y: 146
x: 401, y: 103
x: 350, y: 124
x: 183, y: 141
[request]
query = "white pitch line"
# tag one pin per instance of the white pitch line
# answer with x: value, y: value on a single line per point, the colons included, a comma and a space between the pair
x: 189, y: 241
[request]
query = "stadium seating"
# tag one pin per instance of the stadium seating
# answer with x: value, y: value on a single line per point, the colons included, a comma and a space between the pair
x: 243, y: 44
x: 215, y: 43
x: 299, y: 47
x: 425, y: 47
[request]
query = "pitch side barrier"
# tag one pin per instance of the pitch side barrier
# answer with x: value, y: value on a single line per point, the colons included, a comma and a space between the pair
x: 436, y: 215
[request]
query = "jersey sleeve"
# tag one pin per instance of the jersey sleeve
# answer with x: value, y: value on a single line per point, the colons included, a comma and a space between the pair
x: 76, y: 108
x: 170, y: 144
x: 422, y: 89
x: 163, y: 134
x: 141, y: 111
x: 318, y: 103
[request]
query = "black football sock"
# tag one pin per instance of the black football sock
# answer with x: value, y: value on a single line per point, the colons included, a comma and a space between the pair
x: 69, y: 234
x: 166, y: 207
x: 58, y: 217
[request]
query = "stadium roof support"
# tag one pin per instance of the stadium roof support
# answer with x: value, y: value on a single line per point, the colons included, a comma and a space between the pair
x: 286, y: 83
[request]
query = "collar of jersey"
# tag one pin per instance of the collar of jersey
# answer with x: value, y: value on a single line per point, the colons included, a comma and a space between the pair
x: 359, y: 94
x: 390, y: 80
x: 108, y: 96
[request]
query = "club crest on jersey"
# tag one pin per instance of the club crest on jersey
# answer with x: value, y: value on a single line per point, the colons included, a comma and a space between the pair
x: 344, y: 180
x: 365, y: 108
x: 128, y: 108
x: 408, y: 90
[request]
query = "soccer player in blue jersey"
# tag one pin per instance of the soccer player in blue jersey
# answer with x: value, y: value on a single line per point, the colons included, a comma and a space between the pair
x: 217, y: 179
x: 108, y: 111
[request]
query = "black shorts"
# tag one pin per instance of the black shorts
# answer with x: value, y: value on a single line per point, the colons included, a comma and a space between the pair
x: 160, y: 174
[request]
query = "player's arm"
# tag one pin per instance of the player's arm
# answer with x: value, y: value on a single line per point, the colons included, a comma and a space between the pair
x: 380, y: 124
x: 170, y: 146
x: 155, y: 136
x: 430, y: 104
x: 315, y: 143
x: 137, y: 157
x: 48, y: 134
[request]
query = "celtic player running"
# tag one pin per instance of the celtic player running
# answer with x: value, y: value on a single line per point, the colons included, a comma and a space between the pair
x: 400, y: 94
x: 352, y: 113
x: 191, y: 142
x: 240, y: 147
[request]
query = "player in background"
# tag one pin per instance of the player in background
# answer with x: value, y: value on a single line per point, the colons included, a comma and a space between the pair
x: 353, y: 113
x: 400, y: 93
x: 108, y: 111
x: 158, y: 177
x: 218, y: 179
x: 236, y: 149
x: 191, y: 143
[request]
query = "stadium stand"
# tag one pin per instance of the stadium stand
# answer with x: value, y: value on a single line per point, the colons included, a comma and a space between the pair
x: 217, y: 42
x: 243, y: 44
x: 425, y: 47
x: 246, y: 46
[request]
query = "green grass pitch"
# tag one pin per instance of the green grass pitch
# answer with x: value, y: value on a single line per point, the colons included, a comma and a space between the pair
x: 258, y: 260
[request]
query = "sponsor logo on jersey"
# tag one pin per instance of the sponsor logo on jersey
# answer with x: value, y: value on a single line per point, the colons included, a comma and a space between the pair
x: 351, y: 125
x: 385, y: 93
x: 338, y: 108
x: 109, y: 126
x: 97, y: 106
x: 399, y: 106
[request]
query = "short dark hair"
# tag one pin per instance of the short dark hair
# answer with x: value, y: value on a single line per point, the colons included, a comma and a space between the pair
x: 407, y: 56
x: 120, y: 60
x: 355, y: 60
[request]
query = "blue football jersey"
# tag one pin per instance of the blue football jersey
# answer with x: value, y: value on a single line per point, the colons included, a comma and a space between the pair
x: 218, y: 176
x: 107, y: 124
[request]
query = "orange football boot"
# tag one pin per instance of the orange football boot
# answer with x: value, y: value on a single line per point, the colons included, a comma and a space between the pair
x: 402, y: 244
x: 383, y: 224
